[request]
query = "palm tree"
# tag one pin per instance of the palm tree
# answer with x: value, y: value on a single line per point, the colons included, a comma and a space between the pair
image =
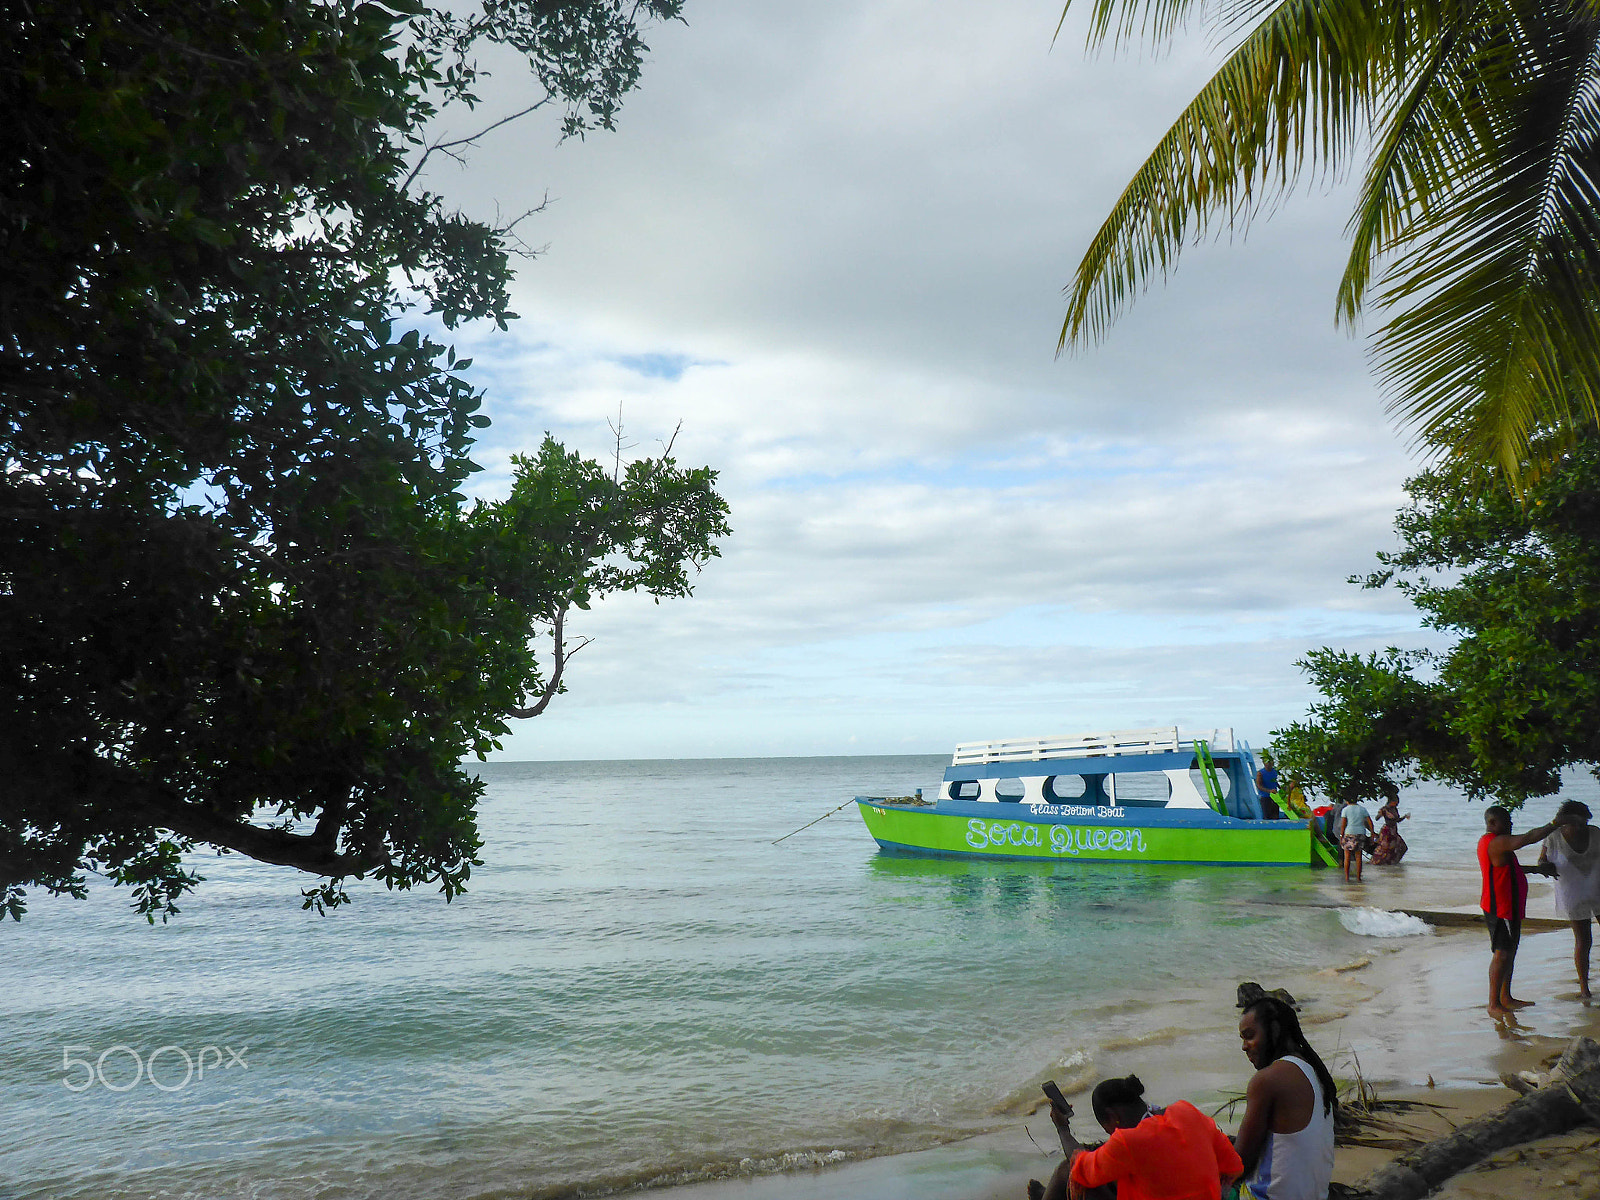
x: 1477, y: 228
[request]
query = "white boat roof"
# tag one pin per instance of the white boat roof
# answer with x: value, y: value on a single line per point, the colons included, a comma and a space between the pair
x: 1168, y: 739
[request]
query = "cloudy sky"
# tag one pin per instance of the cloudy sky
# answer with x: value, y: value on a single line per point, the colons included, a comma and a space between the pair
x: 830, y: 238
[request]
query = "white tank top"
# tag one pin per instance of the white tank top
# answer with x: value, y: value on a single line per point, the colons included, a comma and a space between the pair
x: 1297, y: 1166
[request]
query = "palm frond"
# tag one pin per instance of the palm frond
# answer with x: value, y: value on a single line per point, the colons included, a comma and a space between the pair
x: 1499, y: 284
x: 1479, y: 215
x: 1292, y: 96
x: 1120, y: 21
x: 1419, y: 155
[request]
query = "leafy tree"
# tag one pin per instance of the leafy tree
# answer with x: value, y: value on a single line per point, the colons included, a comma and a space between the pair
x: 1363, y: 732
x: 243, y: 600
x: 1476, y: 229
x: 1517, y: 697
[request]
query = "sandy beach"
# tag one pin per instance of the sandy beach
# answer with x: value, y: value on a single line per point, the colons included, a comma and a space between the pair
x: 1408, y: 1015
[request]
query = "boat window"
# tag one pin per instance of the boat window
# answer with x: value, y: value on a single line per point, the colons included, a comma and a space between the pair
x: 1221, y: 776
x: 1148, y: 786
x: 1010, y: 790
x: 1064, y: 789
x: 964, y: 789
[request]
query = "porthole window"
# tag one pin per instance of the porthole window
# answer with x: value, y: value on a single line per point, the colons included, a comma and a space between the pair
x: 1064, y: 789
x: 1009, y: 790
x: 964, y: 789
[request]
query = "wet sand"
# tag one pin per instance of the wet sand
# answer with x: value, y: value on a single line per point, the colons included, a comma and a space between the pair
x: 1407, y: 1014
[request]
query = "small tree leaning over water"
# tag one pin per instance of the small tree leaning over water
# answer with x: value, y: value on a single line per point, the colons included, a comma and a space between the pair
x: 1517, y: 698
x: 244, y: 601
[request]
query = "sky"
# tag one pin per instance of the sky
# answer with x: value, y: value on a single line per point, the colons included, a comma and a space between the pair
x: 831, y: 239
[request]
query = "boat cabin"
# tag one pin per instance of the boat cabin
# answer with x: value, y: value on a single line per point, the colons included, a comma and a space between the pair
x: 1137, y: 768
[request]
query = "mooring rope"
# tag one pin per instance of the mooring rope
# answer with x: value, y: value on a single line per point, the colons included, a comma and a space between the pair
x: 809, y: 824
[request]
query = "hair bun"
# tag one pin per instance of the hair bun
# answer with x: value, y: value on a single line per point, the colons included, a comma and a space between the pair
x: 1135, y: 1088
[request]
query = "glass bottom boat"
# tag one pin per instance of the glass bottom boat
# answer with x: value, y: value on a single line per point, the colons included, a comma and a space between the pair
x: 1143, y: 795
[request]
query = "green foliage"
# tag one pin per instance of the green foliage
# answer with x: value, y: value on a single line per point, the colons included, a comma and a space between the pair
x: 243, y: 600
x: 1363, y: 732
x: 1517, y: 697
x: 1476, y: 226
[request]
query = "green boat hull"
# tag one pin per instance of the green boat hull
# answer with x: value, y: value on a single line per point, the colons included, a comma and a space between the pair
x: 924, y: 830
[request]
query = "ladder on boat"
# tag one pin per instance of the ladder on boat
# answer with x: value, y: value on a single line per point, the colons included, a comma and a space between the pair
x: 1208, y: 772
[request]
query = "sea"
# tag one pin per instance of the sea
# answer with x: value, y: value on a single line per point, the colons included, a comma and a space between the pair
x: 643, y: 986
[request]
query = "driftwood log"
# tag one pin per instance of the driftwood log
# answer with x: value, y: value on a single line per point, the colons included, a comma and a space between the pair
x: 1570, y: 1099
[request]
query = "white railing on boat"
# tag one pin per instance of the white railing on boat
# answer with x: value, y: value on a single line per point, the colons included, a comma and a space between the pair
x: 1164, y: 740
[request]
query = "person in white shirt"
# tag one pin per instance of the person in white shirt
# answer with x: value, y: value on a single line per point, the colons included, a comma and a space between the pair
x: 1286, y: 1137
x: 1574, y: 853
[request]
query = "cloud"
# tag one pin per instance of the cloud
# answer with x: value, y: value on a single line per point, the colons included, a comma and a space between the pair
x: 829, y: 239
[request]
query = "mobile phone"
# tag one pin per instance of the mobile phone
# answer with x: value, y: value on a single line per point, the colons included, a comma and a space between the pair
x: 1053, y: 1093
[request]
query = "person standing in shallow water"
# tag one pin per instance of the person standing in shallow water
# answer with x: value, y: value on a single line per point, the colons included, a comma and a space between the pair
x: 1505, y: 898
x: 1286, y: 1138
x: 1574, y: 854
x: 1391, y: 847
x: 1354, y: 831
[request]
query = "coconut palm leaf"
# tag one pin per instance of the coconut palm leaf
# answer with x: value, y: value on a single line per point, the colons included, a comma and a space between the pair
x: 1479, y: 215
x: 1294, y: 94
x: 1116, y: 21
x: 1419, y: 153
x: 1497, y: 335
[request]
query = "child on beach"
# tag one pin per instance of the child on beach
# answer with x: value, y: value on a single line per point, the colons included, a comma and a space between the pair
x: 1171, y: 1153
x: 1285, y: 1141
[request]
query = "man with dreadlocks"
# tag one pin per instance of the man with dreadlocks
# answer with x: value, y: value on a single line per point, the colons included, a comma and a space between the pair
x: 1286, y: 1137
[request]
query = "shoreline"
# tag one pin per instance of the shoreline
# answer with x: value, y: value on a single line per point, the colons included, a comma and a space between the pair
x: 1407, y: 1015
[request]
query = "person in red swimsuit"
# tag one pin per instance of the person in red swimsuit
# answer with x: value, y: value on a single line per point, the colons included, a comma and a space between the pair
x: 1171, y: 1153
x: 1505, y: 899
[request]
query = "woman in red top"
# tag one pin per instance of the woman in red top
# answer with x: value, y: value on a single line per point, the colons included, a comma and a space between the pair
x: 1172, y: 1153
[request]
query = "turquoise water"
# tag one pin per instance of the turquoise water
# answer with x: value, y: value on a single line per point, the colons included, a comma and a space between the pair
x: 638, y: 987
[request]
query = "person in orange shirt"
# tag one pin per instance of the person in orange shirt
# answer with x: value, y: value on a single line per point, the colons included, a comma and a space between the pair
x: 1171, y: 1153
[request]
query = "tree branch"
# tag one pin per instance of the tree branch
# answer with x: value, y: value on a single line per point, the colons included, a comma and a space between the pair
x: 617, y: 444
x: 666, y: 446
x: 470, y: 140
x: 508, y: 230
x: 315, y: 853
x: 562, y: 654
x: 1571, y: 1098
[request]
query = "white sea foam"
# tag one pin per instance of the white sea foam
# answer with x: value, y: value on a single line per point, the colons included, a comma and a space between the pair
x: 1376, y: 922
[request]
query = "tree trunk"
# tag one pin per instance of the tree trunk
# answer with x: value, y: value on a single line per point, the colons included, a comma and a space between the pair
x: 1571, y: 1098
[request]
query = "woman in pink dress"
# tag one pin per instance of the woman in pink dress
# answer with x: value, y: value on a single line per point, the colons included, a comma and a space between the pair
x: 1391, y: 847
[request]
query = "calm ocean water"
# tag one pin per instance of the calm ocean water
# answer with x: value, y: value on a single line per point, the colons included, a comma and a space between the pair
x: 639, y: 987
